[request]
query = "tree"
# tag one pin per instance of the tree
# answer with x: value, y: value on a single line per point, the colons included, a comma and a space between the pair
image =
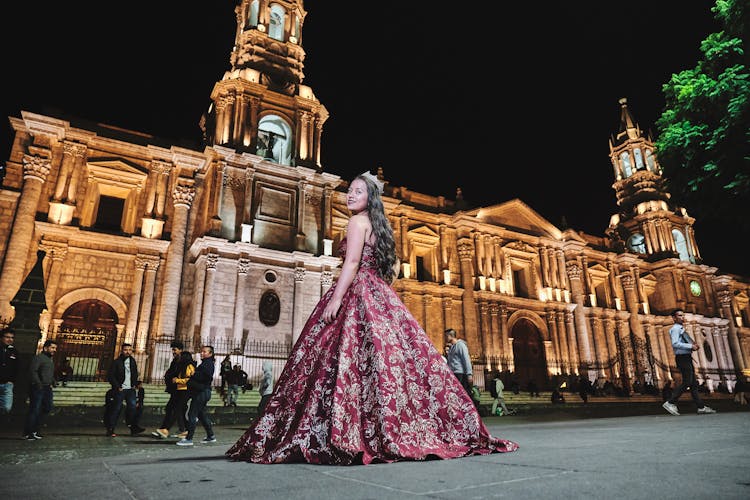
x: 703, y: 140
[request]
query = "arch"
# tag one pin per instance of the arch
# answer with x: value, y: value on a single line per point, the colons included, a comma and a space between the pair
x: 530, y: 362
x: 680, y: 244
x: 80, y: 294
x: 275, y: 139
x: 531, y: 316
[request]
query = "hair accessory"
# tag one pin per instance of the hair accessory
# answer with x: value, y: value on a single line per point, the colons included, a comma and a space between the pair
x: 380, y: 184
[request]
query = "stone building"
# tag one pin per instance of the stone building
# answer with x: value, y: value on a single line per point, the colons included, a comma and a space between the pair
x: 233, y: 241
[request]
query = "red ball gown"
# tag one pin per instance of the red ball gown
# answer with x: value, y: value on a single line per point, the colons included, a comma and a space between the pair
x: 368, y: 387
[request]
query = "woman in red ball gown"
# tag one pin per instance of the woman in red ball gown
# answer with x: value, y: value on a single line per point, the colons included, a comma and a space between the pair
x: 363, y: 382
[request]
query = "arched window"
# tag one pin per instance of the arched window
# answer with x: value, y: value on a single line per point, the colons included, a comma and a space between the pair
x: 681, y: 245
x: 627, y: 168
x: 274, y: 140
x: 276, y: 22
x: 638, y: 158
x: 637, y: 243
x: 252, y: 17
x: 650, y: 161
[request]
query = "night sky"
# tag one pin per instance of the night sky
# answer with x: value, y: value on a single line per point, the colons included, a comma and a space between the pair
x: 517, y: 100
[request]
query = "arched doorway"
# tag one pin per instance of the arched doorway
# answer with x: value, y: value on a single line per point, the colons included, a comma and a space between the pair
x: 528, y: 354
x: 87, y: 338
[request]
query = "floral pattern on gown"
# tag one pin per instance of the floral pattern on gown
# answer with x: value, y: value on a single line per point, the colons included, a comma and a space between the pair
x: 368, y: 387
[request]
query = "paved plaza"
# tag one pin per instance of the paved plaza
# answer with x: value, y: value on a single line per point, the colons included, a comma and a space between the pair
x: 634, y: 457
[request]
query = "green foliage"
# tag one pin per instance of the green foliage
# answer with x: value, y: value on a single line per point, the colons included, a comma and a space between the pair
x: 703, y: 142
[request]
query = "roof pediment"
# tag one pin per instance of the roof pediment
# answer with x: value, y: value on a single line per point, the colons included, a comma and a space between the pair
x: 517, y: 215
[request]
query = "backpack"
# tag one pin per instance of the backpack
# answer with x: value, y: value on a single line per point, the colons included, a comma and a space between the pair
x: 493, y: 388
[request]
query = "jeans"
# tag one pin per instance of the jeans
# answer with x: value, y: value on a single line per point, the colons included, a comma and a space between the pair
x: 501, y: 402
x: 232, y: 392
x: 40, y: 404
x: 175, y: 411
x: 685, y: 365
x: 131, y: 418
x: 197, y: 411
x: 6, y: 397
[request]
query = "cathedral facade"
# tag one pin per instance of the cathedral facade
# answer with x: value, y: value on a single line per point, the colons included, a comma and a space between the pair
x: 233, y: 242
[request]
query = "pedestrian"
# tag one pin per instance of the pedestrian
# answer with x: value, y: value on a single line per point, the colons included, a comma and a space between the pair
x: 235, y: 379
x: 363, y: 381
x: 122, y: 376
x: 8, y: 369
x: 183, y: 371
x: 64, y: 371
x: 683, y: 347
x: 171, y: 409
x: 459, y: 359
x: 42, y: 371
x: 496, y: 391
x: 224, y: 369
x: 557, y: 397
x: 199, y: 386
x: 265, y: 388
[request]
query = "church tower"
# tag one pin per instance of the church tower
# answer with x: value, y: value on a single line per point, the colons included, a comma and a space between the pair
x: 260, y: 106
x: 648, y: 223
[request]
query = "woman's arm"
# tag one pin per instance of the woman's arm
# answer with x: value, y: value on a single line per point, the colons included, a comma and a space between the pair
x: 356, y: 233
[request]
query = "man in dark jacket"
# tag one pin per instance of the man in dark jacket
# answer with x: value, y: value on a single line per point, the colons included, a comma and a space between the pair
x: 199, y: 386
x: 8, y: 369
x: 42, y: 371
x: 122, y: 376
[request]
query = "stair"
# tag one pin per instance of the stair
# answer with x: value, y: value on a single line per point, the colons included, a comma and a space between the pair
x: 92, y: 394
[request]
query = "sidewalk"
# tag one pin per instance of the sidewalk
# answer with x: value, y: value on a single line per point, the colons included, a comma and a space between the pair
x: 636, y: 457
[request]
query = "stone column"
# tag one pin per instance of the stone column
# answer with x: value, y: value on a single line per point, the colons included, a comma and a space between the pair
x: 609, y: 333
x: 738, y: 357
x: 326, y: 281
x: 562, y: 335
x: 599, y: 346
x: 299, y: 317
x: 447, y: 319
x: 581, y: 327
x: 327, y: 222
x: 495, y: 330
x: 208, y: 295
x: 667, y: 354
x: 638, y: 340
x: 56, y: 252
x: 134, y: 304
x: 465, y: 255
x: 507, y: 352
x: 243, y: 266
x: 35, y: 171
x: 484, y: 327
x: 722, y: 360
x: 183, y: 198
x: 144, y: 317
x: 301, y: 201
x: 575, y: 360
x: 554, y: 337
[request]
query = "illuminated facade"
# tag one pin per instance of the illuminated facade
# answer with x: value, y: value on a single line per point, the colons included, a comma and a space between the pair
x: 234, y: 242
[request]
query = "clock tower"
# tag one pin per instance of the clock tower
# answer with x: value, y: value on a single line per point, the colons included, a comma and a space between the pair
x: 260, y: 106
x: 648, y: 223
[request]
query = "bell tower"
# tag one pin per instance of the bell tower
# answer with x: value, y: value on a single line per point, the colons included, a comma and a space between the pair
x: 648, y: 223
x: 260, y: 105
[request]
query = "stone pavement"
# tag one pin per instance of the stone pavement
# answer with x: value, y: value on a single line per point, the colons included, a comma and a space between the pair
x: 633, y: 457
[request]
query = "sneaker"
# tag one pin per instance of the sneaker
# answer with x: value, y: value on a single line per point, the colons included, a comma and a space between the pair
x: 706, y: 410
x: 160, y: 433
x: 134, y: 429
x: 181, y: 435
x: 209, y: 439
x: 672, y: 408
x: 184, y: 442
x: 29, y: 437
x: 111, y: 433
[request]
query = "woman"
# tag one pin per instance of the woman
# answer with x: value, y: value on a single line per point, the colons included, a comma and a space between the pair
x: 184, y: 370
x: 363, y: 382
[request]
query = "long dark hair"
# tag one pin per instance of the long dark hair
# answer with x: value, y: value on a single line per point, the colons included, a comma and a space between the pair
x: 186, y: 358
x: 385, y: 245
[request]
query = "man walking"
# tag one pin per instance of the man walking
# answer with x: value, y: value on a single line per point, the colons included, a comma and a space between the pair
x: 199, y: 386
x: 459, y: 360
x: 8, y: 369
x: 122, y: 376
x: 498, y: 396
x: 170, y: 387
x: 683, y: 347
x: 42, y: 370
